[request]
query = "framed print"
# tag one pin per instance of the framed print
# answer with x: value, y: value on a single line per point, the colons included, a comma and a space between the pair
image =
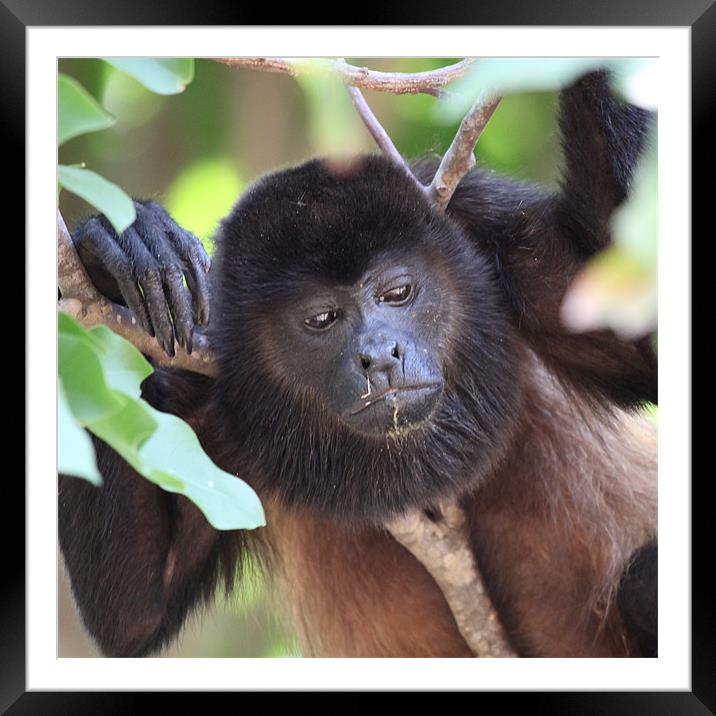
x: 199, y: 152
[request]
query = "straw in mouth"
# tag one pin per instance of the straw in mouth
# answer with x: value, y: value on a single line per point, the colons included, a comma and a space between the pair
x: 363, y: 404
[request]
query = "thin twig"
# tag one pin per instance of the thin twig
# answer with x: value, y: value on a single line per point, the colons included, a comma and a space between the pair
x: 375, y: 127
x: 429, y: 82
x: 442, y: 547
x: 379, y: 134
x: 81, y: 300
x: 460, y: 158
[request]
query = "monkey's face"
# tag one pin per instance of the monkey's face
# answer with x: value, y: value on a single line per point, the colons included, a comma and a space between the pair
x: 368, y: 350
x: 366, y: 354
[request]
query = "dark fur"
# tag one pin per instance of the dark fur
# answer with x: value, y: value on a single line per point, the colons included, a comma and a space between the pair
x: 638, y: 599
x: 557, y: 480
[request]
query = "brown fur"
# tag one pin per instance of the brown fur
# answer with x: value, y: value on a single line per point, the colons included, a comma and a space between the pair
x: 552, y: 528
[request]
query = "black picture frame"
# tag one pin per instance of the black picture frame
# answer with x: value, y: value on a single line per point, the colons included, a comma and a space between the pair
x: 700, y: 15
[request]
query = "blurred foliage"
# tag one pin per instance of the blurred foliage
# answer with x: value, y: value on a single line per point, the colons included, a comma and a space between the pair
x: 203, y: 194
x: 158, y: 75
x: 79, y: 113
x: 617, y: 289
x: 334, y: 127
x: 632, y: 78
x: 198, y: 150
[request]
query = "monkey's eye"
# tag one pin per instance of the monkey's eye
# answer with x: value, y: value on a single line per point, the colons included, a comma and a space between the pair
x: 322, y: 320
x: 396, y: 296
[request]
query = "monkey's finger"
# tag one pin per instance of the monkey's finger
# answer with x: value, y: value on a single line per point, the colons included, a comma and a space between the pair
x: 189, y: 246
x: 96, y: 243
x: 180, y: 307
x: 196, y: 263
x: 148, y: 275
x: 199, y: 287
x: 152, y: 232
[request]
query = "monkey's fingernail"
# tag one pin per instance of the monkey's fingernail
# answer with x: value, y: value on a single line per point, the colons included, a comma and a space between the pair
x: 189, y: 344
x: 169, y: 348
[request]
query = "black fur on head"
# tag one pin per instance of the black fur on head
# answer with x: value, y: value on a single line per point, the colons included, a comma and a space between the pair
x: 309, y: 226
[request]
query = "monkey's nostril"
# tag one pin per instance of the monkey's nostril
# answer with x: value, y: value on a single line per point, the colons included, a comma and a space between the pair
x: 365, y: 362
x: 395, y: 353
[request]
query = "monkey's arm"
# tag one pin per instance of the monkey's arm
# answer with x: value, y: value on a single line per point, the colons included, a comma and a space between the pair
x: 539, y: 242
x: 139, y: 558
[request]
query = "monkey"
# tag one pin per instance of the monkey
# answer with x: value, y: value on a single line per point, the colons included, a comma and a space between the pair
x: 375, y: 357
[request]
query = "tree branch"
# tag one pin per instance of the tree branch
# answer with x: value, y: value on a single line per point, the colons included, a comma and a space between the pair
x: 429, y: 82
x: 81, y: 300
x: 460, y: 158
x: 457, y: 161
x: 441, y: 546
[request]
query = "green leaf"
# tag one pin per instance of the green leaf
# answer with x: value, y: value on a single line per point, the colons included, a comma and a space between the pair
x: 66, y: 325
x: 159, y: 75
x: 78, y: 112
x: 102, y: 374
x: 126, y: 430
x: 124, y: 366
x: 173, y: 456
x: 75, y: 451
x: 80, y: 369
x: 105, y: 196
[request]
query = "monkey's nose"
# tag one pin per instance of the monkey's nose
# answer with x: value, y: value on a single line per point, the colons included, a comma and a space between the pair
x: 380, y: 356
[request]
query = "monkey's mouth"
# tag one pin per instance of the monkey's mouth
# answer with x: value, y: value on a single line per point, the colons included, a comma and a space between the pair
x: 418, y: 390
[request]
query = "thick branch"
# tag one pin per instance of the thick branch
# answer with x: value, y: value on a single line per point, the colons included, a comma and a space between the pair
x: 81, y: 300
x: 430, y: 82
x: 460, y: 158
x: 72, y: 279
x: 441, y: 546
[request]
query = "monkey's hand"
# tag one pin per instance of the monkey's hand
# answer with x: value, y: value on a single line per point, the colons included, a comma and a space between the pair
x: 144, y: 267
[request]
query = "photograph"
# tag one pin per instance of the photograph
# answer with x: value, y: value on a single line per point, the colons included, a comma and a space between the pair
x: 357, y: 357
